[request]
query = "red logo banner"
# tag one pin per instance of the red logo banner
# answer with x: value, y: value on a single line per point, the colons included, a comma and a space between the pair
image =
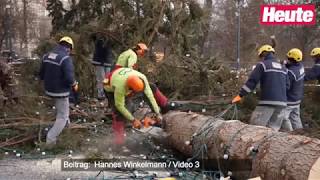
x: 288, y: 14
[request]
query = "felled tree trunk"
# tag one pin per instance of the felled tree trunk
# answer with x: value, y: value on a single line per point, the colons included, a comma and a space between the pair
x: 274, y: 155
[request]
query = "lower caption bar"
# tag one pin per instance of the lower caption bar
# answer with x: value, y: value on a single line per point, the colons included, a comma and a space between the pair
x: 152, y: 165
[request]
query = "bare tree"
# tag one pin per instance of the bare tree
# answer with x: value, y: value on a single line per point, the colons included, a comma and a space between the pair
x: 25, y: 24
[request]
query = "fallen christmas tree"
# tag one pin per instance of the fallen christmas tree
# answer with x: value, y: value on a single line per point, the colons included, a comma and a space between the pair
x: 274, y: 155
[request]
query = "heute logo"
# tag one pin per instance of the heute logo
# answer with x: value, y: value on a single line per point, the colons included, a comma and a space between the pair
x: 288, y: 14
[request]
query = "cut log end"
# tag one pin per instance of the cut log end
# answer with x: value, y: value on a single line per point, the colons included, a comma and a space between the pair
x: 315, y: 171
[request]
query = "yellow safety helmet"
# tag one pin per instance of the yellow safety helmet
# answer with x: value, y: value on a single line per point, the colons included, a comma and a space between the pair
x: 265, y: 48
x: 295, y: 54
x: 315, y: 52
x: 68, y: 40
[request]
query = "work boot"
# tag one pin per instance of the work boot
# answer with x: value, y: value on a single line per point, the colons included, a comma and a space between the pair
x: 101, y: 98
x: 49, y: 146
x: 43, y: 146
x: 44, y: 132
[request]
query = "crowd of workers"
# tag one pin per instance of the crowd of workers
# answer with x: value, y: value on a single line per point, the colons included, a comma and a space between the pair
x: 118, y: 83
x: 279, y: 105
x: 281, y: 87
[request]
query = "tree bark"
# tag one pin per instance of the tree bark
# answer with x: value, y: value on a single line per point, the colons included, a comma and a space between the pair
x: 278, y: 155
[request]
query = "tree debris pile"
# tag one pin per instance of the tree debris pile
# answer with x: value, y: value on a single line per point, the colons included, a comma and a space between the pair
x: 8, y: 83
x: 310, y: 106
x: 187, y: 78
x: 27, y: 119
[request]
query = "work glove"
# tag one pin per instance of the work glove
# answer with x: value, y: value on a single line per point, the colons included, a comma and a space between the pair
x: 272, y: 36
x: 236, y: 99
x: 136, y: 124
x: 159, y: 118
x: 105, y: 81
x: 75, y: 86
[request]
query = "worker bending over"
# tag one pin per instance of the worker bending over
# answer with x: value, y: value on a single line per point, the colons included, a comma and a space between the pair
x: 295, y: 91
x: 123, y: 83
x: 272, y: 77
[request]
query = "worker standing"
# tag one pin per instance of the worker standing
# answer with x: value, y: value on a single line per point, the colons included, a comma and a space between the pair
x: 272, y: 77
x: 129, y: 57
x: 57, y: 71
x: 314, y: 72
x: 126, y: 82
x: 295, y: 91
x: 102, y: 61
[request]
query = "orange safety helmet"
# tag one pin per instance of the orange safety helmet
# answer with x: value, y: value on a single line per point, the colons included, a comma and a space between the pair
x: 135, y: 83
x: 141, y: 49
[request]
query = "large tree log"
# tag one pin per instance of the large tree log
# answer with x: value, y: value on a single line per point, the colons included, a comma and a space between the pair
x: 274, y: 155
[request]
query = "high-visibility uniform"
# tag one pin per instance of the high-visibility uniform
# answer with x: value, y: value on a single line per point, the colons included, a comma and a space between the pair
x: 117, y: 91
x: 119, y: 87
x: 127, y: 59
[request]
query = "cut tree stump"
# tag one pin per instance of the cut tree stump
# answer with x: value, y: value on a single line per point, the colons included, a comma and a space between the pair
x: 274, y: 155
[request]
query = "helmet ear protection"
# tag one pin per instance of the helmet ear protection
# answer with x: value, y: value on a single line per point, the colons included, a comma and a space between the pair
x: 135, y: 83
x: 141, y: 49
x: 140, y: 52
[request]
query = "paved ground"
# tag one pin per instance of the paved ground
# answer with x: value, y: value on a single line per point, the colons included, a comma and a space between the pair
x: 43, y: 169
x: 46, y: 167
x: 50, y: 169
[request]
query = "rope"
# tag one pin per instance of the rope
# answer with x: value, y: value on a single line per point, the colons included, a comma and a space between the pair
x: 235, y: 112
x: 229, y: 107
x: 221, y: 114
x: 200, y: 139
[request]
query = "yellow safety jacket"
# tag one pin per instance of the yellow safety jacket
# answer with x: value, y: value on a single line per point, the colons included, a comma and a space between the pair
x: 127, y: 59
x: 117, y: 84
